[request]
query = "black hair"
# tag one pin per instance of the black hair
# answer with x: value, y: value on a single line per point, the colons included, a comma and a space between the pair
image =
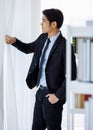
x: 54, y: 15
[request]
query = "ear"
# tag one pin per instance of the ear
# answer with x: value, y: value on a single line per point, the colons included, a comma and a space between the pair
x: 54, y: 24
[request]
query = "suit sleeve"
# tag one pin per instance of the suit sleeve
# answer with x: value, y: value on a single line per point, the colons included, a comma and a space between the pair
x: 61, y: 92
x: 26, y: 47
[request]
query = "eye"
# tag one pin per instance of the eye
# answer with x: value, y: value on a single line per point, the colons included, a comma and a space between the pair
x: 44, y: 20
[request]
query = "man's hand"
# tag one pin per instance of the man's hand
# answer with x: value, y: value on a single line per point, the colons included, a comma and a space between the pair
x: 10, y: 40
x: 52, y: 98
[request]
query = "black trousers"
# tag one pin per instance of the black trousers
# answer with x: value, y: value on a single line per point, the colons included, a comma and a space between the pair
x: 46, y: 115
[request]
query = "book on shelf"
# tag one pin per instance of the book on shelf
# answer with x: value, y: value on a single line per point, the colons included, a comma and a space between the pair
x: 86, y: 106
x: 74, y: 44
x: 91, y: 65
x: 83, y: 50
x: 86, y: 97
x: 83, y: 47
x: 80, y: 99
x: 89, y: 113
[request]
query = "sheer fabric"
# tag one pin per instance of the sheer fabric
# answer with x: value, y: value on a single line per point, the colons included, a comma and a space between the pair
x: 16, y: 99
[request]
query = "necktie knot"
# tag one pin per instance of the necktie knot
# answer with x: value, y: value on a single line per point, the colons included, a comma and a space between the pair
x: 48, y: 40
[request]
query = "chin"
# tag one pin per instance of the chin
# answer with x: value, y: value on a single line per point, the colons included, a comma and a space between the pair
x: 44, y: 31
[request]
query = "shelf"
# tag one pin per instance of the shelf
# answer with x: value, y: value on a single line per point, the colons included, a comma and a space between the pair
x: 81, y: 87
x: 81, y: 31
x: 75, y: 87
x: 77, y: 111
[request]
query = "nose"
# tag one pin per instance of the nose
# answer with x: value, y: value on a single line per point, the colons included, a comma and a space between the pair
x: 41, y: 23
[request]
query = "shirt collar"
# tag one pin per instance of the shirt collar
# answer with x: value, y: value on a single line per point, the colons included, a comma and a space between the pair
x: 53, y: 38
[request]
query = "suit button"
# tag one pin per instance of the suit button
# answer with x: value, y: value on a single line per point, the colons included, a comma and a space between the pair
x: 35, y: 64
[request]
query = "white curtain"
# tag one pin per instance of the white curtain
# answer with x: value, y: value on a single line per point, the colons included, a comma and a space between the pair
x: 17, y: 18
x: 10, y: 108
x: 1, y: 64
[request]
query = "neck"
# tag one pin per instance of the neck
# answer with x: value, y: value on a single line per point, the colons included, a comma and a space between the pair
x: 53, y: 33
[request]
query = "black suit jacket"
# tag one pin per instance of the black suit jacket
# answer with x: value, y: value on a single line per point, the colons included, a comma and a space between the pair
x: 56, y: 66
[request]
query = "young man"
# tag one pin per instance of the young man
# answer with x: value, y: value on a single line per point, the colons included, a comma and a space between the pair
x: 47, y: 70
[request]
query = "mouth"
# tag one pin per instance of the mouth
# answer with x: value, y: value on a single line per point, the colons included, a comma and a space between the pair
x: 41, y: 27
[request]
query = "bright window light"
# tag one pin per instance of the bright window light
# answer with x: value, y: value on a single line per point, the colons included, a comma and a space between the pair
x: 75, y: 11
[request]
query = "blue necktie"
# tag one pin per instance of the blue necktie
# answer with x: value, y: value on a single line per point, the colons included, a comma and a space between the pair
x: 42, y: 61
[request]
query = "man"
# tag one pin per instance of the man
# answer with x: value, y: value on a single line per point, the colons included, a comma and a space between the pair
x: 47, y: 70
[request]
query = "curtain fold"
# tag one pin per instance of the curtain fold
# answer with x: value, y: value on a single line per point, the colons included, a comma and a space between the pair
x: 16, y: 99
x: 1, y: 64
x: 10, y: 108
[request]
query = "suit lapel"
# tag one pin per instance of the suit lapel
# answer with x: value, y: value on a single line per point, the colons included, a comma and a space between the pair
x: 40, y: 47
x: 55, y: 45
x: 53, y: 48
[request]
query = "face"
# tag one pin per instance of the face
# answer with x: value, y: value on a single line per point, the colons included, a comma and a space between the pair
x: 46, y: 26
